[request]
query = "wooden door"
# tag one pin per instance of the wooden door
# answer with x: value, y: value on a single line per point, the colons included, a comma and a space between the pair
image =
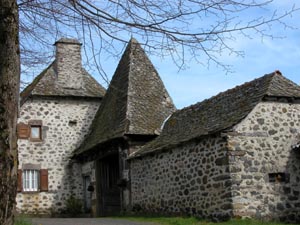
x: 110, y: 202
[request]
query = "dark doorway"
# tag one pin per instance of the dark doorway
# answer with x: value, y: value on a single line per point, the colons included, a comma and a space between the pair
x: 87, y: 194
x: 109, y: 194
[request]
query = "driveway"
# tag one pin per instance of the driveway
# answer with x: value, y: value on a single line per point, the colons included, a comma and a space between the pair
x: 84, y: 221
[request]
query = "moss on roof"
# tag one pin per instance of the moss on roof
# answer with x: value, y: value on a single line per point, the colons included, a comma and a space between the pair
x: 220, y: 112
x: 136, y: 101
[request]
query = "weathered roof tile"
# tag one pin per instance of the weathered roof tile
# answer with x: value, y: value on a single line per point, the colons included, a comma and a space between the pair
x: 45, y: 85
x: 220, y: 112
x: 136, y: 101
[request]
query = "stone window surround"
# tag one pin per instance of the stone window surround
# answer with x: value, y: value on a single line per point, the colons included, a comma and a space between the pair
x: 30, y: 166
x: 35, y: 124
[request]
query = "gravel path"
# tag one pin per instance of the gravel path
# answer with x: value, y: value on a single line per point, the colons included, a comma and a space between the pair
x: 84, y: 221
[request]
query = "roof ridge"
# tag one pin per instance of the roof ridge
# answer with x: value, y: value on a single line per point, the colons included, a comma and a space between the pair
x: 130, y: 46
x: 272, y: 80
x: 230, y: 90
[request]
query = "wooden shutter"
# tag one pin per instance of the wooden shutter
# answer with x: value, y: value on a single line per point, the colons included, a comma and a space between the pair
x: 19, y: 181
x: 23, y: 131
x: 43, y: 180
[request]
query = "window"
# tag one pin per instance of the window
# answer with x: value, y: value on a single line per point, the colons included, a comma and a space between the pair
x: 31, y: 131
x: 278, y: 177
x: 35, y: 133
x: 30, y: 180
x: 35, y: 130
x: 72, y: 123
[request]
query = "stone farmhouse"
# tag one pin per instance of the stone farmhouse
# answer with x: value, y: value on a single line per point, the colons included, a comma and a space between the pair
x: 236, y: 154
x: 57, y: 109
x: 233, y: 155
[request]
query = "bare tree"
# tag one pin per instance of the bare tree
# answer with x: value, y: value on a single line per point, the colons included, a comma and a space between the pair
x: 181, y: 29
x: 9, y: 92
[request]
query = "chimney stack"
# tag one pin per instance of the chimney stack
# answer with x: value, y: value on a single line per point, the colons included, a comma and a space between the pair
x: 68, y: 63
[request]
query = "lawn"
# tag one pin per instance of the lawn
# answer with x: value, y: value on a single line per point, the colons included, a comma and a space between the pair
x: 195, y: 221
x: 175, y: 221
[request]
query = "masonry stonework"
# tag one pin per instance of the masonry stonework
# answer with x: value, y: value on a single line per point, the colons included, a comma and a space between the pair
x: 191, y: 179
x: 260, y: 147
x: 236, y: 154
x: 68, y: 63
x: 251, y: 171
x: 64, y: 125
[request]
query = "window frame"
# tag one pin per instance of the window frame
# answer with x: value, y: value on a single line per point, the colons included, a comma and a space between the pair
x: 35, y: 124
x: 41, y: 181
x: 39, y: 133
x: 30, y: 180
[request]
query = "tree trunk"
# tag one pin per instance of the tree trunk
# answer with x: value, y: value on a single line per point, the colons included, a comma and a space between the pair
x: 9, y: 98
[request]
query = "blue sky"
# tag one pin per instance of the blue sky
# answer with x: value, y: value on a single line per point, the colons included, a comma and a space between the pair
x: 261, y: 56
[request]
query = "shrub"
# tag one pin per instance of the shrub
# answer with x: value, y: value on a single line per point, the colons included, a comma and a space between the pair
x: 73, y: 206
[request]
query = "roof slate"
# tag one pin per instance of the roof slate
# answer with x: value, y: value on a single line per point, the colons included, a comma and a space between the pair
x: 136, y: 101
x: 220, y: 112
x: 45, y: 84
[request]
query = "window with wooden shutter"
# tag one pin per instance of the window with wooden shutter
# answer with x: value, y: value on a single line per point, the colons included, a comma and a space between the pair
x: 35, y: 130
x: 43, y: 180
x: 19, y: 181
x: 23, y: 131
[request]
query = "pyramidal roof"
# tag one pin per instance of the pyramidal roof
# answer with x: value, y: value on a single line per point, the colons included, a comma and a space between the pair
x: 136, y: 101
x: 221, y: 112
x: 48, y: 83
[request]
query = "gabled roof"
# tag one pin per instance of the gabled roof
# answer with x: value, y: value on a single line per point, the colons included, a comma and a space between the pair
x: 45, y: 84
x: 220, y: 112
x: 136, y: 101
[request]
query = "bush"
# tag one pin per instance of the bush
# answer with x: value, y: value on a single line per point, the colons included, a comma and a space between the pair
x: 21, y: 221
x: 74, y: 206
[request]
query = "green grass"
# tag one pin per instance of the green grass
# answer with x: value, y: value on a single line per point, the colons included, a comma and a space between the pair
x: 174, y: 221
x: 195, y: 221
x: 22, y: 221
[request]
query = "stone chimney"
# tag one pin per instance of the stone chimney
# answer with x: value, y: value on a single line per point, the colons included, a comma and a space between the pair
x: 68, y: 63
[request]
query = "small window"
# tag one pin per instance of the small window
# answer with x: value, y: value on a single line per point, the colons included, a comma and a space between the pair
x: 72, y: 123
x: 35, y: 133
x: 35, y: 130
x: 278, y: 177
x: 30, y: 180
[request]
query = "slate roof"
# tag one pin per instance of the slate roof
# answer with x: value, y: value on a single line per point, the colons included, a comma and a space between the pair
x: 220, y: 112
x: 136, y: 101
x: 45, y: 84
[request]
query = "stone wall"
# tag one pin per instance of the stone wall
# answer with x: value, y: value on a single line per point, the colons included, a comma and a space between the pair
x: 259, y: 150
x: 192, y: 179
x: 253, y: 173
x: 88, y: 169
x: 64, y: 125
